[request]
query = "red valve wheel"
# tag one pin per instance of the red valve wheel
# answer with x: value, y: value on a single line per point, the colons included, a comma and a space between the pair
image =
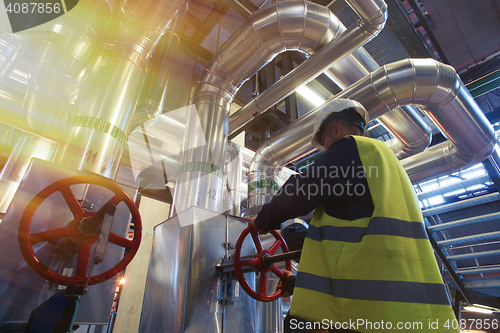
x: 257, y: 262
x: 27, y: 239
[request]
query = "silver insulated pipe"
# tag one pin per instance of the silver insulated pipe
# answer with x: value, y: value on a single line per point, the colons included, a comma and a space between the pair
x: 411, y: 134
x: 433, y: 86
x: 265, y: 34
x: 373, y: 15
x: 445, y: 101
x: 263, y: 183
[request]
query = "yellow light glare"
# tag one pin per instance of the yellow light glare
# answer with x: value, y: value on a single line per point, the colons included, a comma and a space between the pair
x: 310, y: 95
x: 122, y: 281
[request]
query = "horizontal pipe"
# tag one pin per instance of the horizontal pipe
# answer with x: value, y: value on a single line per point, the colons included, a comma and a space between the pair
x: 461, y: 204
x: 467, y: 221
x: 469, y: 239
x: 445, y: 101
x: 478, y: 270
x: 432, y: 85
x: 474, y: 255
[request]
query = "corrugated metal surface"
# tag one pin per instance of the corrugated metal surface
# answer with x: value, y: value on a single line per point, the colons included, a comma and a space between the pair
x: 384, y: 48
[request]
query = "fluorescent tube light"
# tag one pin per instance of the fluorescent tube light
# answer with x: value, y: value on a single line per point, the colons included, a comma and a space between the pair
x: 310, y: 95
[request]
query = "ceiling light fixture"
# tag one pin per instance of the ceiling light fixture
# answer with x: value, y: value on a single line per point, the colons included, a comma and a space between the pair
x: 478, y: 308
x: 310, y: 95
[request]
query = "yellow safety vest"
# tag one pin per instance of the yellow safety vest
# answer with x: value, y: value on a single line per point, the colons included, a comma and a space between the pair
x: 378, y: 271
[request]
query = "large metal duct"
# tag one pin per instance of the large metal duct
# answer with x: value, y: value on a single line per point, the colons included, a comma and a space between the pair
x: 434, y: 86
x: 64, y: 51
x: 265, y: 34
x: 154, y: 89
x: 373, y: 15
x: 96, y: 132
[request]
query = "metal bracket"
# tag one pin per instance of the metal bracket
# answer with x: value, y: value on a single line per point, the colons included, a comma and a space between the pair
x: 450, y: 269
x: 86, y: 205
x: 102, y: 243
x: 225, y: 302
x: 228, y: 246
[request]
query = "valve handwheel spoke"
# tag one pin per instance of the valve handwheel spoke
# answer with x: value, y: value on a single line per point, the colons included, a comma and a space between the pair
x: 120, y: 241
x: 277, y: 271
x: 72, y: 202
x: 256, y: 240
x: 115, y: 200
x: 275, y: 247
x: 85, y: 241
x: 45, y: 236
x: 238, y: 263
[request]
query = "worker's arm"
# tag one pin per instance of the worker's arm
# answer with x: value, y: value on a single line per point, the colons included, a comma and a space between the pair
x: 305, y: 192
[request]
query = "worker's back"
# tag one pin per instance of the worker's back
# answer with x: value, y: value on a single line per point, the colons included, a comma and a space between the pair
x: 370, y: 267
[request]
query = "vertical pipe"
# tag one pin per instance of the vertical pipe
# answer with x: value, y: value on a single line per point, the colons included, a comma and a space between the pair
x: 154, y: 89
x: 96, y: 131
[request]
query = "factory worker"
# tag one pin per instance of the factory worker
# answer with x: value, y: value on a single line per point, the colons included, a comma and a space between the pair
x: 366, y: 264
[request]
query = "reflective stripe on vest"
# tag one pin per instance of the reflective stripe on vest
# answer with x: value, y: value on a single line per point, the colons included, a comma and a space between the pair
x: 388, y: 291
x: 377, y: 226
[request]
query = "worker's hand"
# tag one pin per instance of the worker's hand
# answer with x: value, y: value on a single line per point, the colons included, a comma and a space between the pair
x: 251, y: 223
x: 283, y: 281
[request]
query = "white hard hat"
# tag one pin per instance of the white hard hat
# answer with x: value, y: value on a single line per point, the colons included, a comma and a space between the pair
x: 338, y: 106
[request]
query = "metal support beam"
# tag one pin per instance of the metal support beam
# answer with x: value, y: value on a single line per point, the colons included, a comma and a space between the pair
x: 453, y: 187
x: 243, y: 7
x: 462, y: 204
x: 449, y: 268
x: 291, y: 101
x: 474, y: 255
x: 433, y: 39
x: 492, y: 167
x: 219, y: 10
x: 476, y: 270
x: 467, y: 221
x: 404, y: 31
x: 470, y: 239
x: 194, y: 50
